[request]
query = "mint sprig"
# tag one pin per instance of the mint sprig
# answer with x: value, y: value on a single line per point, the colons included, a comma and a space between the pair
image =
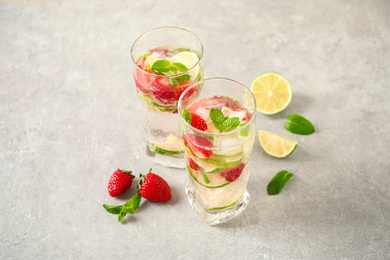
x: 164, y: 66
x: 297, y: 124
x: 130, y: 207
x: 276, y: 185
x: 222, y: 122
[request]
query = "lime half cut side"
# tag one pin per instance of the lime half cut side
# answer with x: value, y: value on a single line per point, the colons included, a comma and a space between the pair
x: 276, y: 145
x: 272, y: 93
x: 189, y: 59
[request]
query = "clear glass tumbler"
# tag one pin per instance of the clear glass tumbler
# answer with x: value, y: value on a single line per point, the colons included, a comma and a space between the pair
x: 218, y: 131
x: 166, y: 60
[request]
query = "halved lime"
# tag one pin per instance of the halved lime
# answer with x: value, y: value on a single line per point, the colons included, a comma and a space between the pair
x: 189, y: 59
x: 272, y: 92
x: 276, y: 145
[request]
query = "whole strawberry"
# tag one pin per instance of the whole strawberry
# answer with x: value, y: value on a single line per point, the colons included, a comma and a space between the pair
x: 154, y: 188
x: 119, y: 182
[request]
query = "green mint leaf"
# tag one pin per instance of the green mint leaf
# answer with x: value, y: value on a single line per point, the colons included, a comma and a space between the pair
x: 275, y: 186
x: 297, y: 124
x: 132, y: 204
x: 187, y: 116
x: 161, y: 66
x: 179, y: 66
x: 113, y: 209
x: 217, y: 117
x: 229, y: 124
x: 122, y: 214
x: 221, y: 122
x: 174, y: 81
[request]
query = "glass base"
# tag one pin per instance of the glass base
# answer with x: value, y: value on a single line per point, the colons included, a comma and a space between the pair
x: 217, y: 216
x: 174, y: 161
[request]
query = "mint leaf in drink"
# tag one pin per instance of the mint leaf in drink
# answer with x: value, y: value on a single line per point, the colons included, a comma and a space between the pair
x: 276, y: 185
x: 221, y: 122
x: 179, y: 66
x: 174, y: 81
x: 187, y: 116
x: 113, y: 209
x: 161, y: 66
x: 229, y: 124
x: 297, y: 124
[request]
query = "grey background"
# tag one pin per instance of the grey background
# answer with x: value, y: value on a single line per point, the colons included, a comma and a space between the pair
x: 69, y: 116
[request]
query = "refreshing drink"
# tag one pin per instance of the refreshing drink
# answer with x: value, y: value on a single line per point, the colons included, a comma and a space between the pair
x: 218, y: 134
x: 166, y: 61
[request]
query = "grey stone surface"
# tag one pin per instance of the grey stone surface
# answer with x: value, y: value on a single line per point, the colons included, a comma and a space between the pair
x: 69, y: 116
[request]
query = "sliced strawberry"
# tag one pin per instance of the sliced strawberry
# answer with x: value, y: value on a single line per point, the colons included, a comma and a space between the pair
x: 163, y: 91
x: 233, y: 173
x: 198, y: 122
x: 143, y: 76
x: 193, y: 164
x: 198, y: 145
x: 179, y: 89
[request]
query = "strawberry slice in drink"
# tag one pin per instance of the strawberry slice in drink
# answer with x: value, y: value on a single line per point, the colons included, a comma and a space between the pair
x: 233, y: 174
x: 198, y: 145
x: 163, y: 91
x: 143, y: 76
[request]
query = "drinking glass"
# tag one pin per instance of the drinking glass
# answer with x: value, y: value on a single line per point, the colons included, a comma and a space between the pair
x: 218, y: 131
x: 166, y: 60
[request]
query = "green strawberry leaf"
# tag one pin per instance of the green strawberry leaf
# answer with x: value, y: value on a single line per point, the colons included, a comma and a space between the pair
x: 297, y: 124
x: 113, y: 209
x: 187, y: 115
x: 161, y: 66
x: 276, y: 185
x: 221, y: 122
x: 179, y: 66
x: 174, y: 81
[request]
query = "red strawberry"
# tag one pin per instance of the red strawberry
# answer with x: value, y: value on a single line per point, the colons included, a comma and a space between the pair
x: 234, y: 173
x: 152, y: 187
x: 163, y: 91
x: 119, y: 182
x: 193, y: 164
x: 198, y: 122
x: 198, y: 145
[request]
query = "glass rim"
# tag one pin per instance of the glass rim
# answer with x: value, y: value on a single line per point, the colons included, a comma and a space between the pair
x: 161, y: 28
x: 250, y: 121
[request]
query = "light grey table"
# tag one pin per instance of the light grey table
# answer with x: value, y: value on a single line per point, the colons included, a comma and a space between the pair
x: 69, y: 116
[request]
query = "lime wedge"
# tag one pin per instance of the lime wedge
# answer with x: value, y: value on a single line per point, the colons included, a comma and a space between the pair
x: 272, y: 92
x: 276, y: 145
x: 189, y: 59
